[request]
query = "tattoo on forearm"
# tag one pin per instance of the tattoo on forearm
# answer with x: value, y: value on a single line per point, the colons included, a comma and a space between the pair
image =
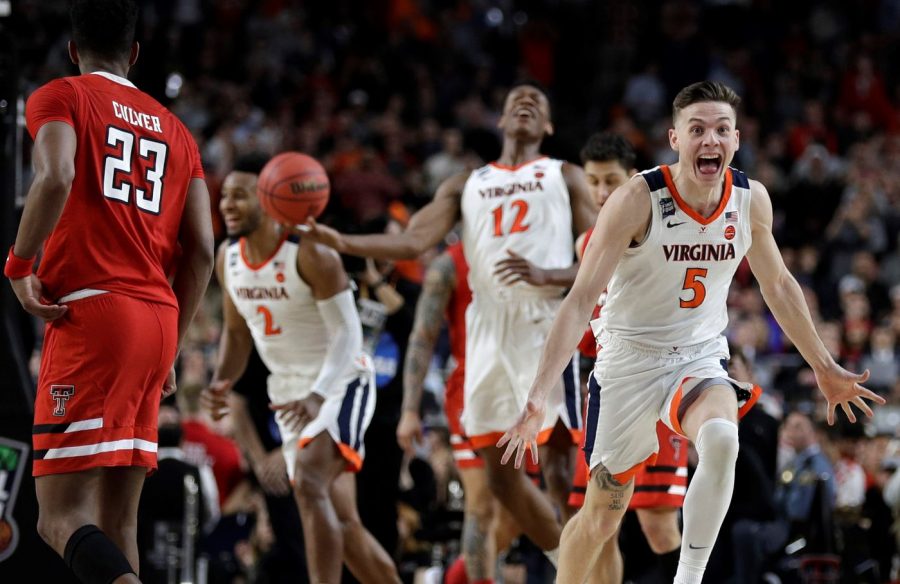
x: 613, y: 488
x: 439, y: 282
x: 475, y: 548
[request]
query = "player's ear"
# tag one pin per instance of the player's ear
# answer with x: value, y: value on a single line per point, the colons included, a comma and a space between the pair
x: 673, y: 139
x: 73, y: 52
x: 737, y: 140
x: 548, y: 129
x: 135, y: 50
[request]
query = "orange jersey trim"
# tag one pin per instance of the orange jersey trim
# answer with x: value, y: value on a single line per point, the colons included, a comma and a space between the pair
x: 259, y: 266
x: 726, y: 194
x: 515, y: 167
x: 354, y: 460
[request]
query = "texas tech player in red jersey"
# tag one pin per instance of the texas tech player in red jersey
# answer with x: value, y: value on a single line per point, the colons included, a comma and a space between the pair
x: 119, y: 198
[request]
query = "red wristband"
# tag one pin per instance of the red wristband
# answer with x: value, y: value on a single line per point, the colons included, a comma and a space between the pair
x: 17, y: 267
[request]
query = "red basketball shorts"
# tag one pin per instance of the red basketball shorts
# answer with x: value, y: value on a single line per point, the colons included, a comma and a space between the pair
x: 661, y: 484
x: 464, y: 454
x: 102, y: 371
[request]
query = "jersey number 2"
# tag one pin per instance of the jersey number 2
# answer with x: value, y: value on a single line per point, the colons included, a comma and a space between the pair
x: 271, y: 329
x: 518, y: 225
x: 119, y: 188
x: 692, y: 283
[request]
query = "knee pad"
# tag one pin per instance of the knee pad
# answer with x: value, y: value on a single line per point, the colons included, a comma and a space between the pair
x: 717, y: 442
x: 93, y: 557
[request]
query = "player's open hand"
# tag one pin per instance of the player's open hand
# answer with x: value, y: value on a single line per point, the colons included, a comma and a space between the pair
x: 323, y: 234
x: 523, y: 435
x: 842, y: 387
x: 214, y: 398
x: 409, y: 430
x: 170, y: 386
x: 29, y: 292
x: 300, y: 412
x: 515, y: 268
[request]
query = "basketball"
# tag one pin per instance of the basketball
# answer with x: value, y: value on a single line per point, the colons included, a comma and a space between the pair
x: 292, y: 187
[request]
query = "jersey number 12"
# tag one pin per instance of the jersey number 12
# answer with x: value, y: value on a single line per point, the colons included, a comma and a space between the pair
x: 119, y: 187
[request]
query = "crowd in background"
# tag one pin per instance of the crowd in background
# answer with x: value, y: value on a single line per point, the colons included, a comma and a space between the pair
x: 393, y: 96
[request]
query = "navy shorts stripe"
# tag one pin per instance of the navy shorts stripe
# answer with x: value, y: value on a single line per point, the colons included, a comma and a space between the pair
x: 362, y: 414
x: 571, y: 391
x: 344, y: 422
x: 593, y: 418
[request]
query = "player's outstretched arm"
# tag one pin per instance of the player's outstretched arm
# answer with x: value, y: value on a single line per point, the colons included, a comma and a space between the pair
x: 440, y: 279
x: 623, y: 219
x: 427, y: 227
x: 196, y: 263
x: 785, y: 299
x: 53, y: 158
x: 322, y: 269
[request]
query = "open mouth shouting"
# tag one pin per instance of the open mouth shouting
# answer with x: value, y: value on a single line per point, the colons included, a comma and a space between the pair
x: 709, y: 165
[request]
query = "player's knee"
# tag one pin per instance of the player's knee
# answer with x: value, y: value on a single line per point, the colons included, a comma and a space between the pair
x: 481, y: 507
x: 559, y: 480
x: 663, y: 538
x: 56, y: 529
x: 717, y: 445
x: 311, y: 487
x: 120, y: 527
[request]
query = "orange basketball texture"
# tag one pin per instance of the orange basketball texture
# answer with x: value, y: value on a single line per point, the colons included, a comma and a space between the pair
x: 292, y: 187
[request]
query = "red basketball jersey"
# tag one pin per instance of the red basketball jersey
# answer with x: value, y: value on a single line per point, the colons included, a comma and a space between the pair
x: 119, y: 229
x: 456, y: 321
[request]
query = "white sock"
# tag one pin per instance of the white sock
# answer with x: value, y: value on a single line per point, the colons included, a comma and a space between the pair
x: 707, y: 497
x: 553, y: 556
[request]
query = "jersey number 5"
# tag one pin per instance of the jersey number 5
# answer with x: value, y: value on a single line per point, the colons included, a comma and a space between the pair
x: 518, y: 225
x: 119, y: 188
x: 692, y: 283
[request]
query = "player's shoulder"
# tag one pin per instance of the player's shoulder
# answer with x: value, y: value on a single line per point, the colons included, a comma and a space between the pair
x: 317, y: 254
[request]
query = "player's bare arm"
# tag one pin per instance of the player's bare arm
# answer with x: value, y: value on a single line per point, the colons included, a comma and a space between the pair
x: 321, y: 268
x: 623, y: 219
x: 235, y: 345
x: 785, y: 299
x: 196, y: 264
x: 427, y: 227
x: 53, y: 158
x: 440, y: 280
x: 584, y: 211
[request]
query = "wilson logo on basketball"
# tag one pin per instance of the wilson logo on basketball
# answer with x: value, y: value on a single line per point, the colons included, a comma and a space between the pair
x: 729, y: 232
x: 308, y: 186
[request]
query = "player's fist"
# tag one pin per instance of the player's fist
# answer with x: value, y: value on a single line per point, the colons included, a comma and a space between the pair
x: 214, y: 398
x: 29, y: 291
x: 169, y: 386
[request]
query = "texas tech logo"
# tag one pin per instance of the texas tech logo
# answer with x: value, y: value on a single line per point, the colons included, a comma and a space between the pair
x: 61, y: 394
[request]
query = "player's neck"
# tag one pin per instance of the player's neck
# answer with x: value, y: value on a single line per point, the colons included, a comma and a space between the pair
x: 515, y: 153
x: 262, y: 242
x: 88, y: 66
x: 700, y: 197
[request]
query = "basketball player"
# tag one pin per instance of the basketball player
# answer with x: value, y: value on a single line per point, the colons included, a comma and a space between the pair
x: 292, y: 299
x: 527, y: 206
x: 668, y: 244
x: 118, y: 189
x: 659, y: 488
x: 446, y: 294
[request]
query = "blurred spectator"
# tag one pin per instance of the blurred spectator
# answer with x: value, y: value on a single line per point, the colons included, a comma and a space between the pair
x: 203, y: 446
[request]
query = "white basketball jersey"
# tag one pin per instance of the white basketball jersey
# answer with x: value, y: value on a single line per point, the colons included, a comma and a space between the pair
x: 279, y: 308
x: 671, y: 289
x: 525, y: 209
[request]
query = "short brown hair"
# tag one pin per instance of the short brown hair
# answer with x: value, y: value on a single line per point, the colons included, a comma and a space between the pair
x: 705, y: 91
